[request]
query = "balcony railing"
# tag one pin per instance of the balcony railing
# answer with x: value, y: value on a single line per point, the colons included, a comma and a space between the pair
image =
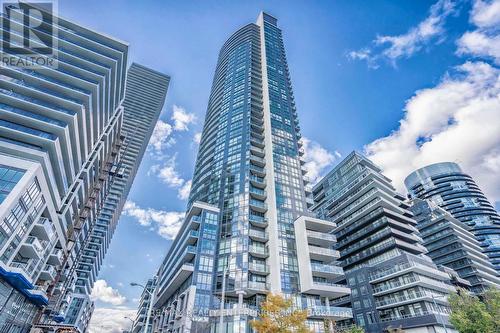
x: 258, y: 234
x: 325, y: 268
x: 258, y: 285
x: 258, y: 267
x: 321, y: 235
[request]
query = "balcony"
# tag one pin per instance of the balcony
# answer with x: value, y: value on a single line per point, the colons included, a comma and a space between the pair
x: 189, y: 253
x: 257, y: 142
x: 55, y: 257
x: 409, y: 298
x: 326, y: 270
x: 257, y: 170
x: 323, y: 254
x: 259, y: 161
x: 258, y: 251
x: 400, y: 269
x: 257, y: 181
x: 43, y: 229
x: 195, y: 221
x: 258, y: 286
x: 258, y: 268
x: 48, y: 273
x: 341, y: 300
x: 192, y: 237
x: 258, y: 221
x: 31, y: 248
x: 257, y: 151
x: 258, y: 193
x: 320, y: 238
x: 258, y: 206
x: 258, y: 235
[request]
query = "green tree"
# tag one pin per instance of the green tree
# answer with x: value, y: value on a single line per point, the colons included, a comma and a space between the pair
x: 471, y: 315
x: 278, y: 316
x: 355, y: 329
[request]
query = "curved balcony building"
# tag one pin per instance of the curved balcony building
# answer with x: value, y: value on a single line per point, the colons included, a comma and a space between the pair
x: 450, y: 188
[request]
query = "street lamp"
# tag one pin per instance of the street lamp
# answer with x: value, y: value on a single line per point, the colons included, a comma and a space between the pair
x: 132, y: 325
x: 150, y: 308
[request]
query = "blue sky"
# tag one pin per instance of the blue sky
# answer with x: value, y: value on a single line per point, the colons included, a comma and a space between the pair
x: 407, y: 82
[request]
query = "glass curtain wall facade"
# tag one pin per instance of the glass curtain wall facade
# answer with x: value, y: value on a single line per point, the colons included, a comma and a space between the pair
x: 60, y: 132
x: 250, y: 170
x: 393, y: 284
x: 450, y: 243
x: 449, y: 187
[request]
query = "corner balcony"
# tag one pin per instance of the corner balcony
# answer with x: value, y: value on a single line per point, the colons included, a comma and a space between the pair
x: 326, y: 270
x: 258, y: 287
x: 55, y: 257
x: 43, y: 229
x: 401, y: 269
x: 325, y: 288
x: 257, y: 205
x: 31, y: 248
x: 257, y: 142
x: 259, y: 161
x: 258, y: 235
x: 258, y: 221
x: 174, y: 283
x: 189, y: 253
x: 323, y: 254
x: 192, y: 237
x: 330, y: 312
x: 257, y: 268
x: 258, y: 251
x: 257, y: 181
x: 258, y: 193
x: 257, y: 151
x: 320, y: 238
x: 48, y: 273
x: 257, y: 170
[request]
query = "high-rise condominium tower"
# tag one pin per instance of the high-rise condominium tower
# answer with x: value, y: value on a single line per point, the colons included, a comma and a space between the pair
x: 60, y: 129
x: 145, y: 94
x: 451, y: 244
x: 392, y: 283
x: 449, y: 187
x: 248, y: 231
x: 65, y: 168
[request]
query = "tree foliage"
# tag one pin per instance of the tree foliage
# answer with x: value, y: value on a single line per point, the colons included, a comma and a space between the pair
x: 471, y: 315
x: 278, y: 316
x: 354, y: 329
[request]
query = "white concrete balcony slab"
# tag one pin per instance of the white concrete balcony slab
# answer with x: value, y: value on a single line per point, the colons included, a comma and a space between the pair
x: 31, y: 248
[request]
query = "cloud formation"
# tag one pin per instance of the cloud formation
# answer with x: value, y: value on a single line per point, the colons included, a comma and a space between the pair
x: 165, y: 223
x: 318, y: 159
x: 111, y: 320
x: 169, y: 175
x: 183, y: 192
x: 161, y: 135
x: 484, y: 41
x: 458, y: 120
x: 104, y: 293
x: 182, y: 119
x: 393, y: 48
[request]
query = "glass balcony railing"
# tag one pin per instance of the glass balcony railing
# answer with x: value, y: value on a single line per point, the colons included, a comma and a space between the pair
x: 258, y: 285
x: 258, y: 267
x: 258, y: 250
x: 321, y: 235
x: 258, y: 233
x: 326, y: 268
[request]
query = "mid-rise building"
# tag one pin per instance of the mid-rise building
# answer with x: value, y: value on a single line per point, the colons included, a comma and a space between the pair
x: 393, y: 284
x: 145, y: 94
x: 449, y: 187
x: 248, y: 230
x: 142, y: 311
x: 450, y: 243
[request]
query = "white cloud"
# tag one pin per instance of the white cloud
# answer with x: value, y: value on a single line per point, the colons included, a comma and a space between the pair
x: 111, y: 320
x: 197, y: 138
x: 170, y: 176
x: 458, y: 120
x: 165, y: 223
x: 161, y: 135
x: 107, y: 294
x: 182, y: 118
x: 318, y: 159
x: 486, y: 14
x: 183, y: 192
x: 485, y: 40
x: 393, y: 48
